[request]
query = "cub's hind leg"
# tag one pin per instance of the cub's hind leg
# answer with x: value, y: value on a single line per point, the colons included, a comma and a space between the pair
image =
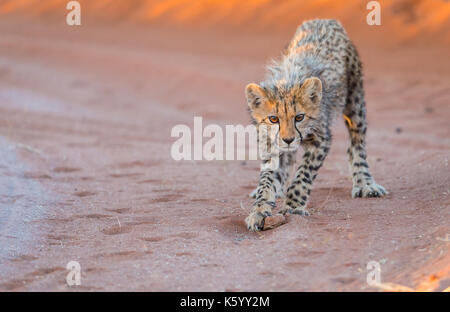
x: 355, y: 115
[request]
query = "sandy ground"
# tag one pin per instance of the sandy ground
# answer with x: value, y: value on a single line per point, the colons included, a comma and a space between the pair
x: 86, y: 172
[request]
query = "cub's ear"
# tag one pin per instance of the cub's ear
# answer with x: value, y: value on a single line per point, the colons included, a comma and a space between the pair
x: 312, y: 90
x: 256, y: 97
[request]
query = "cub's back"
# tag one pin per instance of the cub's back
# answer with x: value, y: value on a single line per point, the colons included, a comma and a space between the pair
x: 326, y: 40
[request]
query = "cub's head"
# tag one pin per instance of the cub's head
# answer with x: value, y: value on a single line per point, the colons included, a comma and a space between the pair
x: 290, y: 113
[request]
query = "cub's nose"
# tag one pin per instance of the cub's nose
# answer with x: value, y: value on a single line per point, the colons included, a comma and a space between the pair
x: 288, y: 140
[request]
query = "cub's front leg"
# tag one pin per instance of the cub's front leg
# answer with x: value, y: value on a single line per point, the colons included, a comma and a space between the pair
x: 298, y: 192
x: 265, y: 200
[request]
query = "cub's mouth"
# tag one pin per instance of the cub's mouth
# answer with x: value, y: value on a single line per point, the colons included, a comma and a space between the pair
x: 291, y: 147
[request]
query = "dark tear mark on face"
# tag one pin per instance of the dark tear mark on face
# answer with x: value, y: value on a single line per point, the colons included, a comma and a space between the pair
x: 299, y: 133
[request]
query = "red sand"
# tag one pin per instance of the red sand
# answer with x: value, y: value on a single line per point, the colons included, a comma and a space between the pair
x: 88, y: 112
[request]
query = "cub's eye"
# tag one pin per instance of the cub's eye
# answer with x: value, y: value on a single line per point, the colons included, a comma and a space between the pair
x: 299, y: 117
x: 273, y: 119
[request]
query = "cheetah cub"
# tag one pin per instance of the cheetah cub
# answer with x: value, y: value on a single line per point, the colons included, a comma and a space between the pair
x: 318, y: 77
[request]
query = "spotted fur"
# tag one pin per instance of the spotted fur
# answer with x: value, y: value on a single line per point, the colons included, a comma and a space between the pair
x: 317, y: 78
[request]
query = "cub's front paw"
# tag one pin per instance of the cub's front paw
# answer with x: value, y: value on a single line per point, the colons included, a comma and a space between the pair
x: 255, y: 220
x: 299, y: 211
x: 368, y: 190
x: 254, y: 193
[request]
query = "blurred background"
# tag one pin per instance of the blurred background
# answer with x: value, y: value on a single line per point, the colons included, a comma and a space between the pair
x: 404, y: 19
